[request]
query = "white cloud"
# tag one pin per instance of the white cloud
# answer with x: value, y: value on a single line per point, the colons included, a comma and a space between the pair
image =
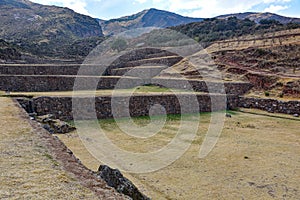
x: 275, y: 8
x: 79, y: 6
x: 212, y: 8
x: 276, y: 1
x: 192, y: 8
x: 141, y: 1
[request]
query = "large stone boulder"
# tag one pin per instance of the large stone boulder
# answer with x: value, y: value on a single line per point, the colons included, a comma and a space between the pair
x: 114, y: 178
x: 54, y: 126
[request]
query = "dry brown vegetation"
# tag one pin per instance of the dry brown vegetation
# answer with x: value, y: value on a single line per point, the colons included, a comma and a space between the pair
x: 269, y: 61
x: 35, y: 165
x: 256, y: 157
x: 28, y: 169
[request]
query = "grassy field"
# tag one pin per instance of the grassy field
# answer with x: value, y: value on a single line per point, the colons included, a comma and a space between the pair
x: 28, y: 169
x: 256, y: 157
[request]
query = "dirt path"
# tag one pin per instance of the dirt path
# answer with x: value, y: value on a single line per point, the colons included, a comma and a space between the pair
x: 30, y: 168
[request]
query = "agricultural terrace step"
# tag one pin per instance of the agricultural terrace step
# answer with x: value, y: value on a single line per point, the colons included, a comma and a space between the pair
x: 72, y: 69
x: 144, y: 71
x: 66, y: 83
x: 167, y: 61
x: 42, y: 69
x: 139, y: 105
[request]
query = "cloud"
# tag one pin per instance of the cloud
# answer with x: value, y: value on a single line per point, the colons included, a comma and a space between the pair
x: 275, y: 8
x: 141, y: 1
x: 79, y: 6
x: 276, y: 1
x: 212, y: 8
x: 192, y: 8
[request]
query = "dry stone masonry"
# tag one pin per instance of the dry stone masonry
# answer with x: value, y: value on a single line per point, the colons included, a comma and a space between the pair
x: 271, y: 105
x: 139, y: 105
x: 45, y: 78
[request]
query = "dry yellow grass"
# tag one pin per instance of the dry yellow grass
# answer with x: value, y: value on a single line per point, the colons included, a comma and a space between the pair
x: 257, y: 157
x: 28, y: 170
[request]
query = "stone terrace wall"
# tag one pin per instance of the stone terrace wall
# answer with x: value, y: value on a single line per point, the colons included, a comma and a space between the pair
x: 37, y: 83
x: 236, y: 88
x: 270, y: 105
x: 39, y: 69
x: 61, y: 107
x: 59, y: 83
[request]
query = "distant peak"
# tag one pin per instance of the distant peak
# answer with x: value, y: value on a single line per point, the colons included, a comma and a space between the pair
x: 157, y: 10
x: 153, y: 9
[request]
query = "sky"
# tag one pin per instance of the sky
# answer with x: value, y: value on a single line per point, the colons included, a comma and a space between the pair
x: 110, y: 9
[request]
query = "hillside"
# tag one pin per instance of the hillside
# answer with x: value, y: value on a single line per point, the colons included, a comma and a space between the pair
x: 146, y: 18
x: 8, y: 51
x: 44, y: 30
x: 211, y: 30
x: 257, y: 17
x: 269, y: 61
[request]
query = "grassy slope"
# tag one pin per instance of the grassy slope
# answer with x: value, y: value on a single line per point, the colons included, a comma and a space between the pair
x: 27, y: 168
x: 47, y: 30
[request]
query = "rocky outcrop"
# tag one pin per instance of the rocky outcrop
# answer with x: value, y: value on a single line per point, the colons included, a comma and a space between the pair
x: 54, y: 126
x: 114, y: 178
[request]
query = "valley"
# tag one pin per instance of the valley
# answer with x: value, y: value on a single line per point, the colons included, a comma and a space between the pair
x: 232, y: 80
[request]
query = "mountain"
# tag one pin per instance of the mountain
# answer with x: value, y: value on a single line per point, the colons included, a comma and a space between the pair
x: 257, y: 17
x: 211, y: 30
x: 146, y: 18
x: 44, y: 30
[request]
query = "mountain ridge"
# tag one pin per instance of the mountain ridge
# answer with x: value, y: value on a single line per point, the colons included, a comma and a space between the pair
x: 55, y: 32
x: 258, y: 16
x: 44, y: 30
x: 147, y: 18
x: 162, y: 19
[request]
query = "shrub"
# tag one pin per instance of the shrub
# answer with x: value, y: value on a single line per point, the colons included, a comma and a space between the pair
x: 267, y: 94
x: 281, y: 95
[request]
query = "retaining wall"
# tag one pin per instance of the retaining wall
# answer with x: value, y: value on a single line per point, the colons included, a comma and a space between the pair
x: 61, y: 107
x: 236, y: 88
x: 41, y: 83
x: 60, y: 83
x: 270, y: 105
x: 36, y: 69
